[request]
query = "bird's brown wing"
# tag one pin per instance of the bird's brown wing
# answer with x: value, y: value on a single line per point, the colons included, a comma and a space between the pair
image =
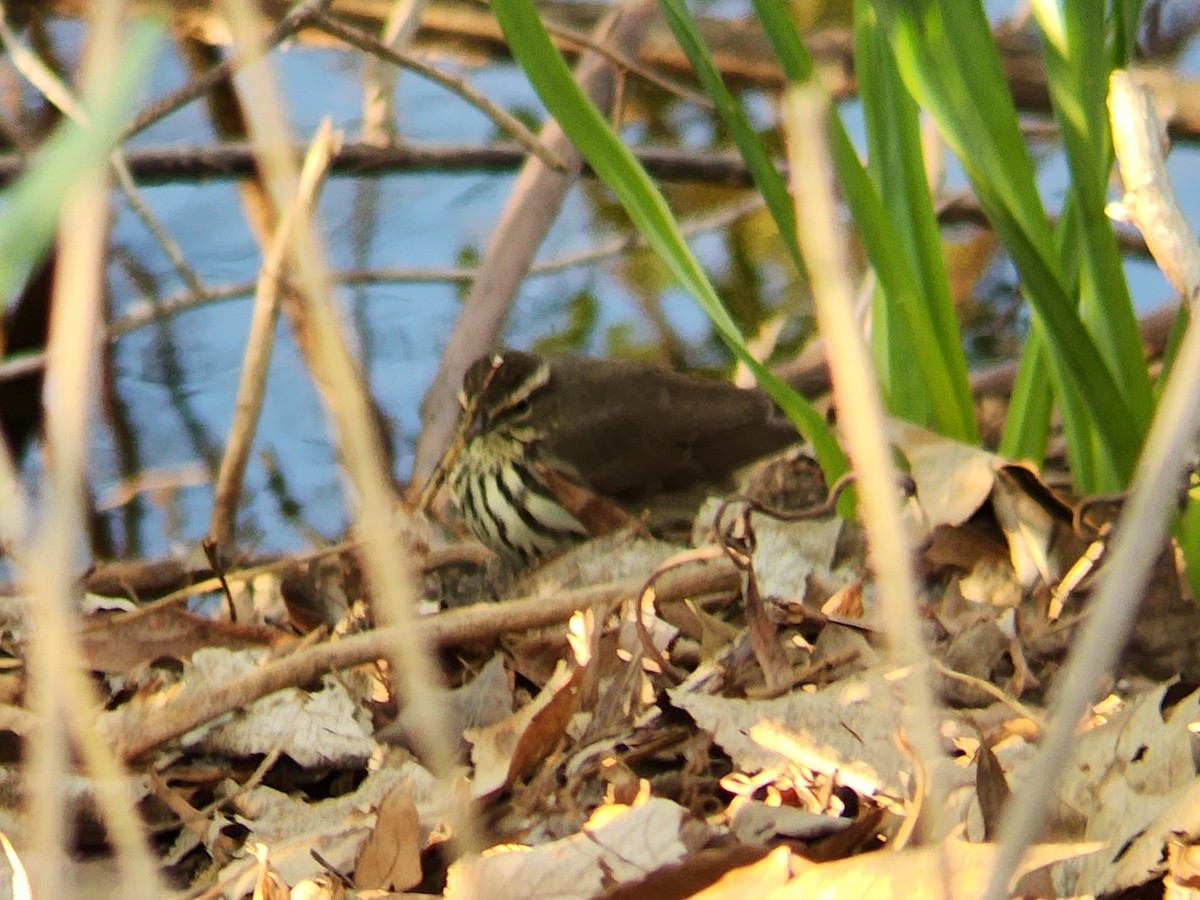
x: 629, y: 430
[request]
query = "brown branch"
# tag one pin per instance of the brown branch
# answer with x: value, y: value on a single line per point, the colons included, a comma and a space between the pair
x: 473, y: 623
x: 740, y: 49
x: 156, y: 165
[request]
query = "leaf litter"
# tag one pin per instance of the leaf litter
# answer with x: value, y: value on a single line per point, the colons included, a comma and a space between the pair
x: 732, y: 730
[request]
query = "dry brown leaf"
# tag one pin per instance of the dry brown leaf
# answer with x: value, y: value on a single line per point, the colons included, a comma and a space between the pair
x: 485, y: 700
x: 966, y: 547
x: 269, y: 885
x: 509, y: 749
x: 844, y: 650
x: 846, y: 602
x: 390, y: 858
x: 336, y: 828
x: 976, y: 651
x: 991, y: 788
x: 698, y: 872
x: 320, y: 591
x: 116, y: 642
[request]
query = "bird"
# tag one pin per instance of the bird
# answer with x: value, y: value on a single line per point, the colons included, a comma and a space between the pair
x: 552, y: 450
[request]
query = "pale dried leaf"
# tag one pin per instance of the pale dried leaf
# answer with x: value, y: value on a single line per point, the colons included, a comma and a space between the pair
x: 1131, y: 784
x: 1182, y: 881
x: 326, y: 887
x: 320, y: 728
x: 847, y: 730
x: 600, y: 560
x: 1034, y: 527
x: 992, y: 581
x: 961, y: 869
x: 19, y: 887
x: 618, y: 845
x: 754, y: 880
x: 787, y: 555
x: 758, y: 823
x: 661, y: 633
x: 953, y: 480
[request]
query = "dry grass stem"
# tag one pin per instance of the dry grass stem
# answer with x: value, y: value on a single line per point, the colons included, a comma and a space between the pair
x: 58, y: 692
x: 261, y: 340
x: 1148, y: 202
x: 60, y: 96
x: 854, y: 388
x: 387, y: 565
x: 379, y: 77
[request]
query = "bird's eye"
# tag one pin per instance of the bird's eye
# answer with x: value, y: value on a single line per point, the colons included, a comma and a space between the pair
x: 521, y: 409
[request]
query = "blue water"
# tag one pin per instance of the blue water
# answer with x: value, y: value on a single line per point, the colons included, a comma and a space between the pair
x: 423, y: 220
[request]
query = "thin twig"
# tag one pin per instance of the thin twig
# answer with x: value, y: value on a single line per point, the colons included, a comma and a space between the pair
x: 338, y: 378
x: 1148, y: 202
x: 584, y: 41
x: 504, y: 120
x: 144, y: 315
x: 297, y: 18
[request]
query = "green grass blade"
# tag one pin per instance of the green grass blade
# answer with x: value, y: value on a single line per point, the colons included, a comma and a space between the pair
x: 29, y: 210
x: 897, y: 164
x: 937, y: 363
x: 1077, y: 76
x: 957, y: 78
x: 758, y: 160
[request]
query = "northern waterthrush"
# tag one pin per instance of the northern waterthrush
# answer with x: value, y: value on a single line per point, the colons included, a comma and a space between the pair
x: 553, y: 450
